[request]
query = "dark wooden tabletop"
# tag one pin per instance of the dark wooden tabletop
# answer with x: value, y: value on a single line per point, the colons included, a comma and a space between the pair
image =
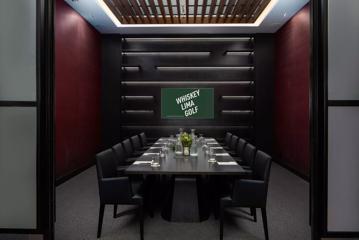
x: 181, y: 165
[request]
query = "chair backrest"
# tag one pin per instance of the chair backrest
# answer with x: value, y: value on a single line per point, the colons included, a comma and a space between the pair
x: 249, y: 153
x: 112, y: 189
x: 234, y: 142
x: 240, y: 147
x: 128, y: 147
x: 227, y: 138
x: 261, y: 167
x: 143, y: 139
x: 120, y: 154
x: 106, y: 164
x: 136, y: 143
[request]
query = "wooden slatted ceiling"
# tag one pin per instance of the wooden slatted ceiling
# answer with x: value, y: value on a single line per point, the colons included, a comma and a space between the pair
x: 186, y: 11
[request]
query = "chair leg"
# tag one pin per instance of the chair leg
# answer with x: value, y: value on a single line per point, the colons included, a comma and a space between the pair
x: 254, y: 214
x: 221, y: 216
x: 100, y: 219
x: 265, y: 225
x: 114, y: 210
x: 141, y: 222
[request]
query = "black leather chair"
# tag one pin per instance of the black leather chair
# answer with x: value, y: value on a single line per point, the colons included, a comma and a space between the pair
x: 233, y: 145
x: 144, y: 144
x: 121, y: 157
x: 130, y: 152
x: 115, y: 190
x: 250, y: 193
x: 136, y: 144
x: 248, y: 158
x: 239, y: 150
x: 227, y: 140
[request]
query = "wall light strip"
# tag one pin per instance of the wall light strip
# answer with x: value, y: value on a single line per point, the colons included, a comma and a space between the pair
x: 238, y: 53
x: 138, y: 111
x: 202, y: 68
x: 136, y: 83
x: 109, y: 13
x: 166, y: 53
x: 237, y: 97
x: 237, y: 111
x: 131, y: 68
x: 138, y: 97
x: 209, y: 39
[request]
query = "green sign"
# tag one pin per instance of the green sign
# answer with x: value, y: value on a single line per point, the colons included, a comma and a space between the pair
x: 192, y: 103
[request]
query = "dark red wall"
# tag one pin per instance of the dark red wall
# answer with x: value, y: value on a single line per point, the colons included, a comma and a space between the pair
x: 291, y: 104
x: 77, y: 90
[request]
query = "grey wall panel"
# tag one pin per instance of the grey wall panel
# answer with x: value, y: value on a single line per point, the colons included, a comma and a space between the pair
x: 18, y: 50
x: 264, y: 91
x: 343, y: 167
x: 343, y: 50
x: 187, y: 62
x: 18, y: 167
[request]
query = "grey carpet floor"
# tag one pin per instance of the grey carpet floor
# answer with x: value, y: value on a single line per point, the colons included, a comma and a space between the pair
x: 288, y: 214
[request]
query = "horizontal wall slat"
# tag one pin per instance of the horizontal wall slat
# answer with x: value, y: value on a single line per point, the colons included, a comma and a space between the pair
x: 198, y: 82
x: 148, y: 61
x: 152, y: 74
x: 155, y: 89
x: 213, y: 131
x: 190, y: 45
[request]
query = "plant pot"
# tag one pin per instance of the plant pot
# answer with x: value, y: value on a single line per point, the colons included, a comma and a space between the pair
x: 186, y: 151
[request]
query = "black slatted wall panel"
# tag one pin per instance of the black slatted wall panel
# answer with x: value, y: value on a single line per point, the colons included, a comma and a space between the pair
x: 225, y: 64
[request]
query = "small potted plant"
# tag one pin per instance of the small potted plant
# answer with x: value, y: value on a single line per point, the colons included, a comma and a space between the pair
x: 186, y: 141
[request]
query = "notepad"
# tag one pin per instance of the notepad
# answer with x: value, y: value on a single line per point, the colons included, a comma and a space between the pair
x: 142, y: 162
x: 227, y: 163
x: 210, y: 139
x: 147, y: 154
x: 222, y: 154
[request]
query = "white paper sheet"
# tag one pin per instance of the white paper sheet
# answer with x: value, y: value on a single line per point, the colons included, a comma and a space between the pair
x: 147, y: 154
x: 222, y: 154
x: 142, y: 162
x: 227, y: 163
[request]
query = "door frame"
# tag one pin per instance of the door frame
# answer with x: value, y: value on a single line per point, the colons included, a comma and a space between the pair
x: 45, y: 122
x: 319, y: 123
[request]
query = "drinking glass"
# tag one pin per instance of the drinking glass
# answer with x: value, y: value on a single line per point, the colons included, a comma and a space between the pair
x: 194, y: 150
x: 212, y: 155
x: 205, y: 149
x: 155, y: 161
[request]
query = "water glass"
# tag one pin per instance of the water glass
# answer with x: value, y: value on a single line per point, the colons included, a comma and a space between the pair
x: 212, y: 155
x: 205, y: 149
x: 155, y: 161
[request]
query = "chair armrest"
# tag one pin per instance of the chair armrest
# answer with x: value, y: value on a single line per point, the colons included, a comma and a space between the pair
x: 250, y: 192
x: 115, y: 190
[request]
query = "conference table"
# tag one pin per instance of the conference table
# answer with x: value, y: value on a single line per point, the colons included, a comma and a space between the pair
x: 192, y: 178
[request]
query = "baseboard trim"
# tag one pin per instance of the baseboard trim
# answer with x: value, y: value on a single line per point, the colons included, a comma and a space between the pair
x: 292, y: 170
x: 62, y: 179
